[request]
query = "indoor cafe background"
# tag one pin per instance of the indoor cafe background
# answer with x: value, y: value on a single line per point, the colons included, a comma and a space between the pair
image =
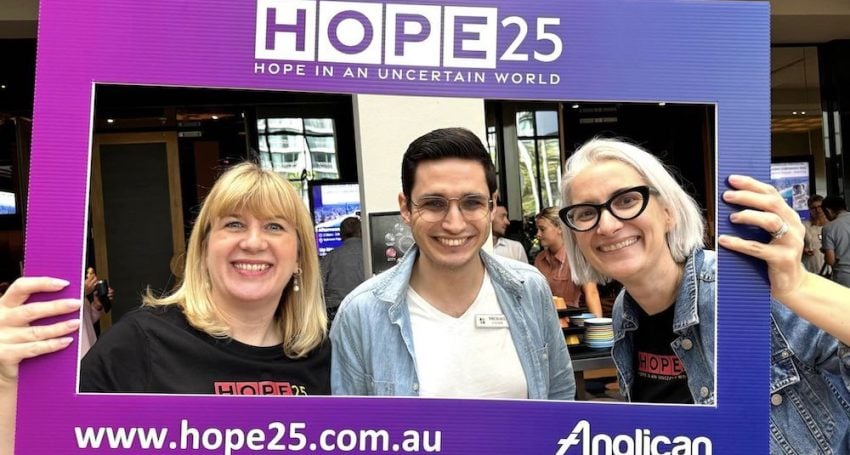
x: 198, y: 130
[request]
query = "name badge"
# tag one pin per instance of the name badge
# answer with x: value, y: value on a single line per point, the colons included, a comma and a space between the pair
x: 491, y: 321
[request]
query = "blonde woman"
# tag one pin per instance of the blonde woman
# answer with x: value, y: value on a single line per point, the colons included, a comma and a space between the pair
x: 249, y: 316
x: 552, y: 263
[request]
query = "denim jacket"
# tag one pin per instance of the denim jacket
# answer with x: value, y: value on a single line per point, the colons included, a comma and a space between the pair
x: 693, y: 322
x: 809, y: 387
x: 372, y: 338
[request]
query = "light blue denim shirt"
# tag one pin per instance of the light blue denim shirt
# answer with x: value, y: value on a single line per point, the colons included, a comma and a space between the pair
x: 372, y: 338
x: 693, y: 322
x: 809, y: 387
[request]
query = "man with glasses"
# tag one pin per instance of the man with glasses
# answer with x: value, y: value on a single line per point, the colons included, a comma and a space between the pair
x: 450, y: 320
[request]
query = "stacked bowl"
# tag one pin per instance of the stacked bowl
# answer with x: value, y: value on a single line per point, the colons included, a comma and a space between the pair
x: 598, y: 333
x: 579, y: 319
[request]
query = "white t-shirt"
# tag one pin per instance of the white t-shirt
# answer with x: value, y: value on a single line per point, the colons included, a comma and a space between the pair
x: 460, y: 357
x: 510, y: 249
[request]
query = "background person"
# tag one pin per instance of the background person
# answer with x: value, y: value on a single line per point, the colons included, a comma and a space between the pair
x: 450, y: 320
x: 342, y: 268
x: 248, y: 311
x: 835, y: 238
x: 93, y: 309
x: 502, y: 245
x: 810, y: 328
x: 553, y: 264
x: 632, y: 222
x: 812, y: 254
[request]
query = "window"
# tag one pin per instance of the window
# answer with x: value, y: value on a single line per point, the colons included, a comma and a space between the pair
x: 539, y: 159
x: 300, y: 149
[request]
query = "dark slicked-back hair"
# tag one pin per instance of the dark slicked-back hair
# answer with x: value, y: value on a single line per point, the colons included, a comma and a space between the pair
x: 442, y: 144
x: 350, y: 227
x: 834, y: 203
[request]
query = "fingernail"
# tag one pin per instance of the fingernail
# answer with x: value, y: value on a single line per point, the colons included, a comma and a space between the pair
x: 734, y: 217
x: 73, y: 303
x: 72, y: 323
x: 60, y: 282
x: 66, y: 340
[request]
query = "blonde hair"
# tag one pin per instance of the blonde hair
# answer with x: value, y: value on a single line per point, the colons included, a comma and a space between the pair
x: 551, y: 214
x: 246, y: 187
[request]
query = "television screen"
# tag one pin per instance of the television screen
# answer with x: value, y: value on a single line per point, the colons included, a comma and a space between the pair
x: 331, y: 203
x: 793, y: 181
x: 7, y: 203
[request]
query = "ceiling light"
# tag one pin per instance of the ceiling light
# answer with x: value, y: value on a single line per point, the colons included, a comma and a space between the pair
x: 109, y: 120
x: 215, y: 117
x: 795, y: 112
x: 662, y: 104
x: 575, y: 106
x: 803, y: 113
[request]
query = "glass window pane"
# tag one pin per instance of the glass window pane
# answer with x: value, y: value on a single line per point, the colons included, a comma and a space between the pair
x: 547, y: 123
x: 550, y: 171
x: 525, y: 123
x: 491, y: 146
x: 323, y: 155
x: 301, y: 189
x: 291, y: 125
x: 528, y: 177
x: 323, y: 143
x: 286, y: 143
x: 319, y: 126
x: 265, y: 161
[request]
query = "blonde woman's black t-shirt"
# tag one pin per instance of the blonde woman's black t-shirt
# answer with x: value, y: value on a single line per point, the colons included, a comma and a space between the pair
x: 155, y: 350
x: 659, y: 375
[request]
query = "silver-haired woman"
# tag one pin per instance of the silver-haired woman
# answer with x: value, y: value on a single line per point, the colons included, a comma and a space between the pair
x: 630, y: 221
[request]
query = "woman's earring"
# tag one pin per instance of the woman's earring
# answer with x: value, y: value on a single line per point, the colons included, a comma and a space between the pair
x: 295, y: 282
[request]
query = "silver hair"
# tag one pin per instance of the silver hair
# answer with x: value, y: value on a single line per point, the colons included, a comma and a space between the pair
x: 688, y: 230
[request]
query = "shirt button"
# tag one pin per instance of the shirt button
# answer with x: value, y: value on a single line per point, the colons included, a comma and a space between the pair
x: 687, y: 344
x: 703, y: 392
x: 776, y: 399
x: 785, y: 354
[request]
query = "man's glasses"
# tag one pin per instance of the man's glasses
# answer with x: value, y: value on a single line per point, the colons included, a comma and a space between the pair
x: 435, y: 208
x: 624, y: 205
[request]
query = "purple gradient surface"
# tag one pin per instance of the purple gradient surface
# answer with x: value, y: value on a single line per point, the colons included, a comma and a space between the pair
x: 675, y: 51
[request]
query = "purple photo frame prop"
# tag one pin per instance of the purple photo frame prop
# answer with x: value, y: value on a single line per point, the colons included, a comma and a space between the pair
x: 675, y: 51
